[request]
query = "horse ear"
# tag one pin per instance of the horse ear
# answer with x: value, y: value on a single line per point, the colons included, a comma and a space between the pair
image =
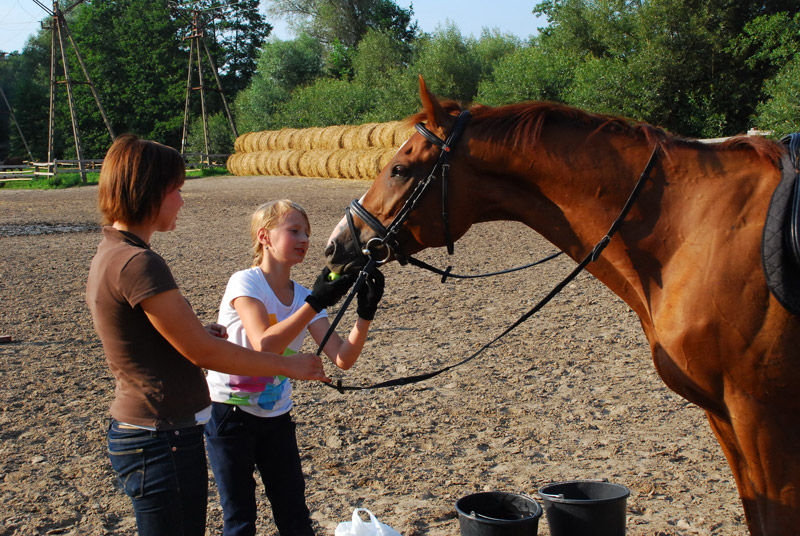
x: 431, y: 107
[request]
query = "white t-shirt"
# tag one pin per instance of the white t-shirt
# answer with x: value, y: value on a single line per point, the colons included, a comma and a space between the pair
x: 263, y: 396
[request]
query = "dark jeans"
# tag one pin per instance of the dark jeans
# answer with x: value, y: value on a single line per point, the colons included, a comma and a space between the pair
x: 237, y: 443
x: 165, y: 475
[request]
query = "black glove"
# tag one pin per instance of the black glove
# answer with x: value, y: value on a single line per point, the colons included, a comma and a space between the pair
x: 325, y: 293
x: 369, y: 295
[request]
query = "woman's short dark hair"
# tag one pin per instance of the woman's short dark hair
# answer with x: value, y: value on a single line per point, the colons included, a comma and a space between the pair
x: 135, y: 177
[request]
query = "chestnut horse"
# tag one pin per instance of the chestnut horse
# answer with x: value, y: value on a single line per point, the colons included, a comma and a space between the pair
x: 686, y: 258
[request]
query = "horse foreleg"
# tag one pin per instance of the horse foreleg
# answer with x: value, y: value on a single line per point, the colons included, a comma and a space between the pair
x: 724, y: 432
x: 761, y: 447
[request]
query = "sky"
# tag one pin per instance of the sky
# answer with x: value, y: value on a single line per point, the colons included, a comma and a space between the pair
x: 20, y: 19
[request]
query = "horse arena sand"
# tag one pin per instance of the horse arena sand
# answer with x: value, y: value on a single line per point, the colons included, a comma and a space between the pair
x: 570, y: 394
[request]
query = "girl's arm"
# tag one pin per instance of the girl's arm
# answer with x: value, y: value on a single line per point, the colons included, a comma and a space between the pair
x: 266, y: 337
x: 277, y: 337
x: 175, y: 320
x: 342, y: 353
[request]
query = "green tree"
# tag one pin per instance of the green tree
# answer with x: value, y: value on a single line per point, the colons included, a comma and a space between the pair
x: 780, y: 111
x: 668, y: 62
x: 341, y: 24
x: 346, y: 20
x: 236, y: 32
x: 449, y: 64
x: 283, y: 67
x: 528, y: 73
x: 327, y: 102
x: 136, y: 67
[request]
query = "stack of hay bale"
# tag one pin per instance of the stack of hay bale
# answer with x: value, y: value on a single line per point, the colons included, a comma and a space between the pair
x: 348, y: 152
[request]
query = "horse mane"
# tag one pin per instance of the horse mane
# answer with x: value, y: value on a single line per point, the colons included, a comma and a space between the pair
x: 520, y: 126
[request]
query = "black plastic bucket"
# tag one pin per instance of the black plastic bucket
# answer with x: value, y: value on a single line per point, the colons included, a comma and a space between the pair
x: 497, y: 513
x: 585, y: 507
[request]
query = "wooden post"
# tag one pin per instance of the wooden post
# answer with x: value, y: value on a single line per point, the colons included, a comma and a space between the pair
x: 202, y: 101
x: 72, y: 113
x: 50, y: 133
x: 219, y: 87
x: 188, y: 93
x: 89, y: 81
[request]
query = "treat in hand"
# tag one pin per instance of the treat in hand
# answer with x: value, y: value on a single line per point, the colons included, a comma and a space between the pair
x: 325, y: 292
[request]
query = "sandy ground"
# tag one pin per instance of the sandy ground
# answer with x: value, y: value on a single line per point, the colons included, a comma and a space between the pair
x: 571, y: 394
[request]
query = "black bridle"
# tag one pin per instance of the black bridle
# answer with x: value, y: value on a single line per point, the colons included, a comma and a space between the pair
x: 387, y: 236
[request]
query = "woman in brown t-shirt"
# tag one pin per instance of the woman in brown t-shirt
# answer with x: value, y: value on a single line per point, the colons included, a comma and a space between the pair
x: 156, y: 347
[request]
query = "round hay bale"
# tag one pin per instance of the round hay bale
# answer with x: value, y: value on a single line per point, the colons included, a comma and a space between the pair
x: 349, y: 138
x: 237, y: 143
x: 294, y: 162
x: 378, y: 136
x: 251, y: 146
x: 302, y: 140
x: 273, y: 163
x: 245, y: 142
x: 360, y: 138
x: 307, y: 164
x: 365, y: 164
x: 262, y: 163
x: 284, y: 138
x: 402, y: 132
x: 385, y: 157
x: 372, y: 162
x: 331, y: 138
x: 233, y: 162
x: 283, y: 163
x: 321, y: 162
x: 351, y: 168
x: 316, y: 138
x: 258, y: 141
x: 334, y: 164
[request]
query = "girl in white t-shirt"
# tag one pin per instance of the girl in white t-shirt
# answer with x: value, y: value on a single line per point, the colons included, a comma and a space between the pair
x: 251, y: 425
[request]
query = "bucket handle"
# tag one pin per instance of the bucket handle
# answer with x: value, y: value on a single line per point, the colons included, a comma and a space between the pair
x: 476, y: 515
x: 561, y: 495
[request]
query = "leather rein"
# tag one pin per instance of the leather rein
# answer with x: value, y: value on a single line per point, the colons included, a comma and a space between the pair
x: 387, y: 239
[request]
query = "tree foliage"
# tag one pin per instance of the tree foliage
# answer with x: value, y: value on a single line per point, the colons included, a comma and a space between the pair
x: 701, y: 68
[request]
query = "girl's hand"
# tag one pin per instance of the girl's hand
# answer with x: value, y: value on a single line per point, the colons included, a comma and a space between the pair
x: 370, y: 295
x: 306, y: 367
x: 217, y: 330
x: 325, y: 293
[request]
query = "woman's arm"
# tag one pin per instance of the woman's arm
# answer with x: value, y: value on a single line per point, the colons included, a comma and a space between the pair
x: 175, y: 320
x: 343, y: 354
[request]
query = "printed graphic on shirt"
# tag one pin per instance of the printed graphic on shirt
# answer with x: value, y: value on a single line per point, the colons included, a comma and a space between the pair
x: 261, y: 391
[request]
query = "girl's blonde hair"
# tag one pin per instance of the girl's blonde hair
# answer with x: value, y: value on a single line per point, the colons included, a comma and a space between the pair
x: 267, y: 217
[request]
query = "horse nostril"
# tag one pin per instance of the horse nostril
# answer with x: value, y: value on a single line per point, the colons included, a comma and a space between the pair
x: 330, y: 249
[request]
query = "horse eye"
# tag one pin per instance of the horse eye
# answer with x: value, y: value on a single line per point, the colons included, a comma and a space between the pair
x: 400, y: 172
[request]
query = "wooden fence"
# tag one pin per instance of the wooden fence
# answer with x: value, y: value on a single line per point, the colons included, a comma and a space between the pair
x: 33, y: 170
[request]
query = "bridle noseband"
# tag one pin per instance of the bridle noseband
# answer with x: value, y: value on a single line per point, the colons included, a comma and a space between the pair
x: 387, y: 236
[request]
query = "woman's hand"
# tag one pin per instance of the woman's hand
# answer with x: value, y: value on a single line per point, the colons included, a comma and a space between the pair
x: 306, y: 367
x: 217, y: 330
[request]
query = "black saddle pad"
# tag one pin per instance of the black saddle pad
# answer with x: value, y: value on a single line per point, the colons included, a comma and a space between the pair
x: 777, y: 256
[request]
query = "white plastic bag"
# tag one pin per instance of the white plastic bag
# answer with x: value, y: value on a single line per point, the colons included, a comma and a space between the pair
x: 359, y: 527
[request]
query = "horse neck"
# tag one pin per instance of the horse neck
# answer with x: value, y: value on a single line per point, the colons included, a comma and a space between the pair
x: 571, y: 196
x: 694, y: 204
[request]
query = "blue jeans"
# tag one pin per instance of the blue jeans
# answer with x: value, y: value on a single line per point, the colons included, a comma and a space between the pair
x: 165, y: 475
x: 237, y: 443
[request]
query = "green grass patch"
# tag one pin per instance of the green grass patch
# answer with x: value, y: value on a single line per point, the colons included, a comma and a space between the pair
x: 70, y: 180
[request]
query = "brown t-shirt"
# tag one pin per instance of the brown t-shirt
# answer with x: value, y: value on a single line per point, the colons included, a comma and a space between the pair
x: 155, y: 385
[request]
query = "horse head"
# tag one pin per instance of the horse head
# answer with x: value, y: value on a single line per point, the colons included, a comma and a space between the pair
x: 406, y: 208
